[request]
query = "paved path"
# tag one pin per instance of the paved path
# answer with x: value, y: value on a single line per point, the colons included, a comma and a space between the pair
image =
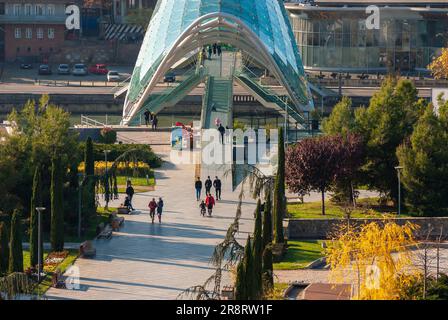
x: 145, y: 261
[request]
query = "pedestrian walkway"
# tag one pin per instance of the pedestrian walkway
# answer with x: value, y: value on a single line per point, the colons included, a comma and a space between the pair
x: 152, y: 261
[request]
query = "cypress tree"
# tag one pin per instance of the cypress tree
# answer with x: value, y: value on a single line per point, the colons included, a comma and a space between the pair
x: 257, y: 253
x: 267, y: 221
x: 15, y: 245
x: 4, y: 248
x: 88, y: 158
x: 268, y: 273
x: 57, y: 209
x: 89, y: 186
x: 249, y: 269
x: 267, y: 270
x: 279, y: 191
x: 36, y: 201
x: 240, y: 284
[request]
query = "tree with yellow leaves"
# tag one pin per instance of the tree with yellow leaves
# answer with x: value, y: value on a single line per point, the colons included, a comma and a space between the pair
x: 439, y: 66
x: 374, y: 257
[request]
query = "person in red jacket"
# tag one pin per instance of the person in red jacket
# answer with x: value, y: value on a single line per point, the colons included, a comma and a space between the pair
x: 209, y: 202
x: 152, y: 209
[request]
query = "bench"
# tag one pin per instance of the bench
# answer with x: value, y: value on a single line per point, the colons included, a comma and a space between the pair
x: 86, y: 249
x: 115, y: 221
x: 106, y: 232
x: 123, y: 210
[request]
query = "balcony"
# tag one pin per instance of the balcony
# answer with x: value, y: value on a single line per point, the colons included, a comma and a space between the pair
x: 25, y: 19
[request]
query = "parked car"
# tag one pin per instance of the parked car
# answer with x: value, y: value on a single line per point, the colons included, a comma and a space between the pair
x: 63, y: 69
x: 169, y: 77
x: 79, y: 69
x: 98, y: 69
x: 44, y: 69
x: 26, y: 66
x: 113, y: 76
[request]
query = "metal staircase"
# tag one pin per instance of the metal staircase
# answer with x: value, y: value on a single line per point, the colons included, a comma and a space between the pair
x: 169, y: 97
x: 217, y: 102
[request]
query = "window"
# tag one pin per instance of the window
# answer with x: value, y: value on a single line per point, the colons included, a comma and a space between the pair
x: 50, y: 33
x: 40, y: 33
x: 29, y: 33
x: 18, y: 33
x: 50, y: 10
x: 2, y: 8
x: 16, y: 9
x: 28, y: 9
x: 39, y: 9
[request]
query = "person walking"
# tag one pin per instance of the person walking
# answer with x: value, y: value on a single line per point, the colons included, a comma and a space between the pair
x: 152, y: 209
x: 160, y: 209
x: 217, y: 185
x: 130, y: 190
x: 147, y: 114
x: 198, y: 187
x: 209, y: 53
x: 203, y: 208
x: 219, y: 50
x: 222, y: 132
x: 155, y: 121
x: 208, y: 185
x: 210, y: 203
x: 214, y: 49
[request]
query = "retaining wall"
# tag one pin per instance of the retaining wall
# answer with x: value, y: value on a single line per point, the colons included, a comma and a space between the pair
x: 321, y: 228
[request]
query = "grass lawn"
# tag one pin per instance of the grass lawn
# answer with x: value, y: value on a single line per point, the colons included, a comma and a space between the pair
x: 366, y: 208
x: 26, y: 258
x: 279, y: 289
x: 300, y: 254
x: 140, y: 184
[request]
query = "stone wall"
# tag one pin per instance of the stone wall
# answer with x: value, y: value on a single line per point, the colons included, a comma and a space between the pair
x: 321, y: 228
x: 100, y: 52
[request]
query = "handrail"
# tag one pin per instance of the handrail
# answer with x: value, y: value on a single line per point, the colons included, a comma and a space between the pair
x: 273, y: 97
x: 121, y: 84
x: 89, y: 122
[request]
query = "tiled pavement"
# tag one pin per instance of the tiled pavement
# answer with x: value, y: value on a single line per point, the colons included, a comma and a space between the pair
x: 145, y: 261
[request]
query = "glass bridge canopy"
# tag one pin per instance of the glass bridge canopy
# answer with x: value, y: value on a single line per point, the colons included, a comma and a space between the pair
x: 258, y: 27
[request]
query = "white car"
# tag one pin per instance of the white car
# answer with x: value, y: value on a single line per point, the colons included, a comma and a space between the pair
x: 113, y: 76
x: 63, y: 69
x: 79, y: 69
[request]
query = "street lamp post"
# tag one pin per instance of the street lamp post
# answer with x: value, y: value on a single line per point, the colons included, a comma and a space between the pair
x: 39, y: 245
x: 398, y: 168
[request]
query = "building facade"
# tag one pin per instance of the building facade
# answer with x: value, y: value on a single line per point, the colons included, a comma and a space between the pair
x: 29, y: 30
x: 332, y: 35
